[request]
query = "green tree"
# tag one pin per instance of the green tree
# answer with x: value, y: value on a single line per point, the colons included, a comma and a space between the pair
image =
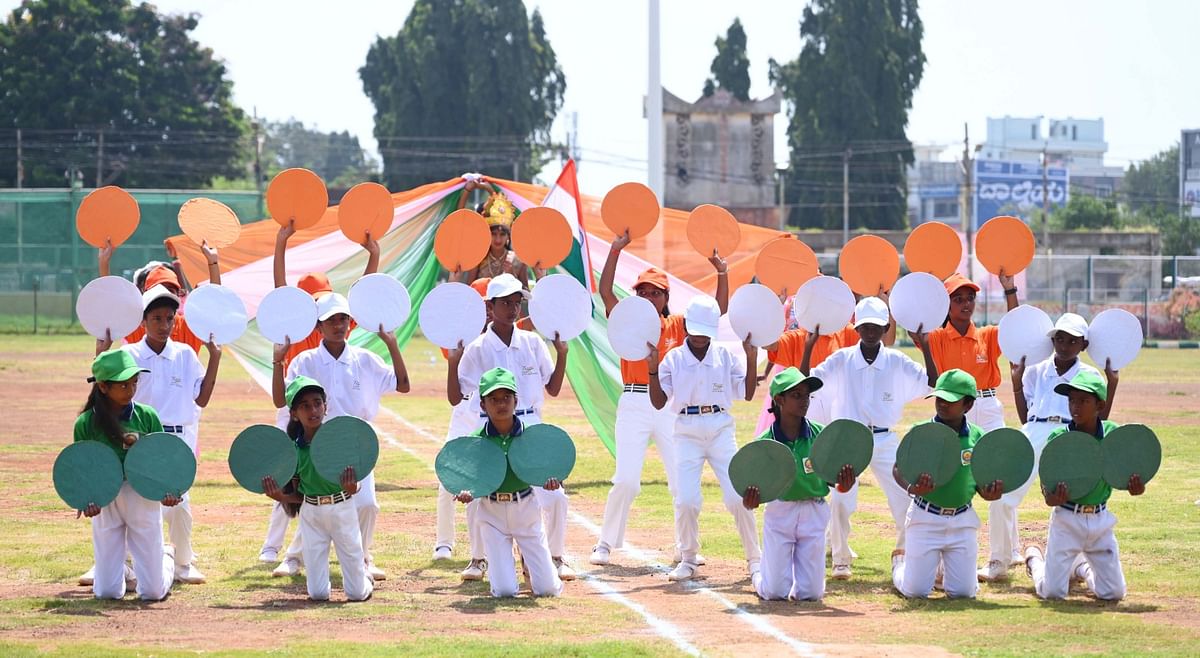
x: 1153, y: 184
x: 849, y: 93
x: 731, y: 66
x: 71, y: 69
x: 470, y: 85
x: 1086, y: 212
x: 336, y: 157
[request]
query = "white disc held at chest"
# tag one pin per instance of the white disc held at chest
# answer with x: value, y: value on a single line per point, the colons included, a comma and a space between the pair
x: 109, y: 304
x: 919, y: 299
x: 1023, y: 334
x: 823, y: 301
x: 633, y: 323
x: 450, y: 313
x: 217, y: 310
x: 756, y: 310
x: 378, y: 299
x: 1114, y: 334
x: 560, y: 304
x: 287, y: 313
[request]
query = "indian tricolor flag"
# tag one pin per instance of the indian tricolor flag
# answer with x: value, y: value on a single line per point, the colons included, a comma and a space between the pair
x: 564, y: 197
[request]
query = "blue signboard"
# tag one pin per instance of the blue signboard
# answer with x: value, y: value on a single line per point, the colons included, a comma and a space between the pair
x: 1015, y: 188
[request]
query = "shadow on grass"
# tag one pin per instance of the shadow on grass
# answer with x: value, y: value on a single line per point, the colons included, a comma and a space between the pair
x: 81, y: 603
x: 1093, y: 606
x: 298, y: 602
x: 605, y: 485
x: 389, y: 486
x: 489, y: 605
x: 794, y: 609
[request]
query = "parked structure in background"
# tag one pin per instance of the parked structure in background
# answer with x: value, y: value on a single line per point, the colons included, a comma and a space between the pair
x: 1189, y: 173
x: 1076, y: 145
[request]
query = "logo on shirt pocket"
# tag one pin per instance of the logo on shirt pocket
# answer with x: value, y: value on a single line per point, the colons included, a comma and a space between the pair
x: 980, y: 358
x: 356, y: 386
x: 718, y: 388
x: 966, y: 457
x: 887, y: 396
x: 808, y: 467
x: 176, y: 381
x: 528, y: 371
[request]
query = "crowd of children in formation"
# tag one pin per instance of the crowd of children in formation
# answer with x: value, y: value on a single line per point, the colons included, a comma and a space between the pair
x: 682, y: 397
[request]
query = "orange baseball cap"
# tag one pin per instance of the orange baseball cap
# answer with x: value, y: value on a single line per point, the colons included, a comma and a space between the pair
x: 480, y: 285
x: 654, y: 277
x: 315, y: 283
x: 162, y: 275
x: 956, y: 281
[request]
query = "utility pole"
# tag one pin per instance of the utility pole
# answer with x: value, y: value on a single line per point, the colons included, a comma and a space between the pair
x: 100, y: 159
x: 654, y: 109
x: 968, y: 220
x: 1045, y: 199
x: 21, y: 215
x: 258, y: 178
x: 846, y: 196
x: 782, y: 175
x: 20, y: 162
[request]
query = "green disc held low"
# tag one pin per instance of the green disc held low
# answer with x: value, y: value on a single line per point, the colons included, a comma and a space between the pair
x: 1073, y: 458
x: 1003, y: 454
x: 160, y: 464
x: 1127, y: 450
x: 341, y: 442
x: 542, y: 452
x: 842, y: 442
x: 87, y: 472
x: 931, y: 448
x: 768, y: 465
x: 471, y: 463
x: 259, y: 451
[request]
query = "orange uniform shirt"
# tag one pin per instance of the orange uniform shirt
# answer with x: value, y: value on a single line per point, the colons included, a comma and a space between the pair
x: 790, y: 349
x: 673, y: 335
x: 976, y: 352
x: 180, y: 333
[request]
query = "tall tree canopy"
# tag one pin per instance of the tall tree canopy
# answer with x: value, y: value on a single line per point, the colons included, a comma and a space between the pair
x: 731, y: 66
x: 851, y: 88
x: 336, y: 157
x: 468, y: 85
x: 1153, y: 184
x: 71, y: 69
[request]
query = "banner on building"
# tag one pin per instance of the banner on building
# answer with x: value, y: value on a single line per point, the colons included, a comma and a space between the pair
x: 1016, y: 188
x: 1189, y: 172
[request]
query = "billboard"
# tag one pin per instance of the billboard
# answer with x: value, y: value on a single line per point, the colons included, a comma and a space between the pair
x: 1015, y: 188
x: 1189, y: 172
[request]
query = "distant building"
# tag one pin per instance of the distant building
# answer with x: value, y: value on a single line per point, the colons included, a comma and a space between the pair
x: 934, y: 186
x: 1076, y: 145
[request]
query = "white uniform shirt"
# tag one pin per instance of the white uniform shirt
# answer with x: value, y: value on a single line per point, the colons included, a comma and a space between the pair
x: 172, y: 384
x: 873, y: 394
x: 1038, y: 387
x: 353, y: 382
x: 526, y: 357
x: 691, y: 382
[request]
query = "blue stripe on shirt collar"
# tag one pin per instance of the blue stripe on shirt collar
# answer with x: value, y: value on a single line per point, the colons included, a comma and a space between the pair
x: 777, y: 431
x: 1099, y: 428
x: 965, y: 430
x: 490, y: 430
x: 127, y: 412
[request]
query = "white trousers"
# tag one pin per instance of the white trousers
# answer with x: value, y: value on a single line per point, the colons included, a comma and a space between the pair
x: 987, y: 413
x: 844, y: 504
x: 1073, y: 534
x: 500, y: 524
x: 130, y: 524
x: 367, y: 511
x: 638, y: 422
x: 793, y: 551
x: 321, y: 525
x: 1002, y: 514
x: 707, y: 437
x: 931, y: 538
x: 179, y: 530
x: 464, y: 420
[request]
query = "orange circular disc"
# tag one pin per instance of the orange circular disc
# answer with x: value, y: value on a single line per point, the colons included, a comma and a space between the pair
x: 1004, y: 243
x: 541, y: 237
x: 365, y: 206
x: 462, y: 240
x: 933, y: 247
x: 297, y: 194
x: 711, y: 228
x: 784, y: 264
x: 208, y: 221
x: 107, y: 213
x: 632, y: 207
x: 868, y: 263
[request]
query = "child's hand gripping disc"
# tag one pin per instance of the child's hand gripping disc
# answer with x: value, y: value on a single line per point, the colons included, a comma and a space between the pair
x: 345, y: 441
x: 87, y: 472
x: 1073, y: 458
x: 931, y: 448
x: 259, y: 451
x: 768, y: 465
x: 471, y: 463
x: 842, y: 442
x: 1128, y: 450
x: 160, y: 464
x: 1003, y: 454
x: 542, y: 452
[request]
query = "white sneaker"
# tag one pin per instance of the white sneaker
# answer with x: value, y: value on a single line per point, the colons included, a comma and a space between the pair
x: 995, y: 571
x: 1032, y: 552
x: 189, y: 575
x: 565, y: 572
x: 89, y: 577
x: 600, y: 555
x: 841, y: 572
x: 753, y: 567
x: 1017, y: 560
x: 474, y: 570
x: 130, y: 577
x: 375, y: 572
x: 1079, y: 569
x: 268, y: 556
x: 682, y: 571
x: 898, y: 558
x: 939, y: 577
x: 289, y: 567
x: 441, y: 553
x: 698, y: 561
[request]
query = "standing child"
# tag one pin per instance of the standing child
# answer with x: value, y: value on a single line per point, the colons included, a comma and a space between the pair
x: 324, y: 516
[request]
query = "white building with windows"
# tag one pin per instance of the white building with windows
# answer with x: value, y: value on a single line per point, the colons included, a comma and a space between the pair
x: 1074, y: 144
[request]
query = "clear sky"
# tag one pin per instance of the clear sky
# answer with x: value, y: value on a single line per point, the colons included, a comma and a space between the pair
x: 1127, y: 62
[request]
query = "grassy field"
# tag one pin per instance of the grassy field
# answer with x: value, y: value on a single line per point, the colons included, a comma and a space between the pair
x: 626, y: 609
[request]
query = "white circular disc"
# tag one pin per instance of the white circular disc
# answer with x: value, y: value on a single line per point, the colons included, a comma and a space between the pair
x: 111, y: 304
x: 919, y: 299
x: 823, y: 301
x: 287, y: 312
x: 378, y: 299
x: 217, y: 310
x: 560, y: 304
x: 633, y: 323
x: 756, y: 310
x: 1023, y: 334
x: 1114, y: 334
x: 450, y: 313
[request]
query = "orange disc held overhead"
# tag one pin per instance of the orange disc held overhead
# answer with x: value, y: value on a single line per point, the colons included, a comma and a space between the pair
x: 462, y: 240
x: 107, y: 213
x: 933, y: 247
x: 711, y: 228
x: 868, y: 263
x: 784, y: 264
x: 630, y: 207
x: 1004, y: 243
x: 206, y: 221
x: 541, y: 237
x: 299, y: 195
x: 365, y: 206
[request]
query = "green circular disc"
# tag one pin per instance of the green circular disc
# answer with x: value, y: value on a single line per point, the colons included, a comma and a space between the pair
x: 259, y: 451
x: 1003, y: 454
x: 341, y: 442
x: 87, y: 472
x: 1073, y: 458
x: 842, y: 442
x: 159, y: 464
x: 542, y: 452
x: 931, y: 448
x: 768, y: 465
x: 471, y: 463
x: 1127, y: 450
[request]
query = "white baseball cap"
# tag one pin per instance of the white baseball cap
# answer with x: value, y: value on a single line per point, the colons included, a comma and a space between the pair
x: 503, y: 286
x: 1070, y: 323
x: 871, y: 310
x: 702, y: 316
x: 158, y: 292
x: 330, y: 305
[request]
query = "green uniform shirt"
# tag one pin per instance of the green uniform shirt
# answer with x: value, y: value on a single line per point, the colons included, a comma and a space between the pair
x: 808, y: 485
x: 961, y: 488
x: 512, y: 483
x: 311, y: 482
x: 1100, y: 492
x: 137, y: 417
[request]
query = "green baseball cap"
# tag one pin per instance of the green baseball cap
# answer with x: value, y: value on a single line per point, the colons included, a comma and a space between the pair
x: 297, y: 387
x: 789, y: 378
x: 497, y: 378
x: 114, y: 366
x: 1086, y: 381
x: 954, y: 385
